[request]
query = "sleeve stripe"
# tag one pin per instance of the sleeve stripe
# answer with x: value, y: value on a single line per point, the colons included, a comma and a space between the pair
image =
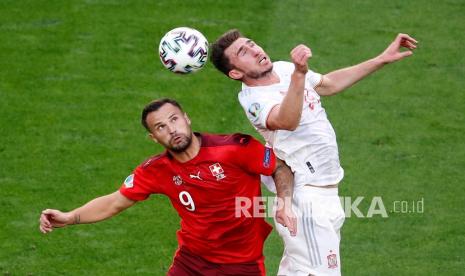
x: 319, y: 83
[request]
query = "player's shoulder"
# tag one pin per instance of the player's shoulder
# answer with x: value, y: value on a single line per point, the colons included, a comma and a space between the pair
x: 245, y: 92
x: 158, y: 160
x: 248, y: 96
x: 253, y: 94
x: 218, y: 140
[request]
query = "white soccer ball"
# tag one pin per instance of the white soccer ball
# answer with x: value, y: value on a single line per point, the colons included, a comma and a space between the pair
x: 183, y: 50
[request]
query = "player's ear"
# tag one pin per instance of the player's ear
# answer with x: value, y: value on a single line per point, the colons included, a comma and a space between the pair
x: 151, y: 136
x: 235, y: 74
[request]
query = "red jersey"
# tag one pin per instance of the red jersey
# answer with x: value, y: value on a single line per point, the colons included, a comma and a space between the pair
x: 203, y: 191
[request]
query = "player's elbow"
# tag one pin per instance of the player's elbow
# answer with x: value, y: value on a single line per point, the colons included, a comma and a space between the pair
x: 283, y: 119
x: 283, y: 125
x: 292, y: 123
x: 292, y: 126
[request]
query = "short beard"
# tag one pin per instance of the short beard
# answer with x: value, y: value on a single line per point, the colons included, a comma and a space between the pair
x: 187, y: 141
x: 257, y: 75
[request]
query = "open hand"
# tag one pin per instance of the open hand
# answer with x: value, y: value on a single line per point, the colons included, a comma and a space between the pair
x: 393, y: 51
x: 286, y: 217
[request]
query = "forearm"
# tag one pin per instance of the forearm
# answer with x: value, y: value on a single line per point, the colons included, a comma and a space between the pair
x: 99, y: 209
x: 291, y: 107
x: 284, y: 180
x: 341, y: 79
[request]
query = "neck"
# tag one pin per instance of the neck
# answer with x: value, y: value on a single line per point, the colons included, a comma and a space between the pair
x: 268, y: 79
x: 190, y: 153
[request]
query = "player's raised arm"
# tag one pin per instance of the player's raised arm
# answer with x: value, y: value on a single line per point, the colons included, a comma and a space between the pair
x: 341, y: 79
x: 284, y: 181
x: 287, y: 114
x: 95, y: 210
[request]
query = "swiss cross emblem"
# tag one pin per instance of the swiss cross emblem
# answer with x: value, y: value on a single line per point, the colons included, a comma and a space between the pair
x: 332, y: 260
x: 217, y: 171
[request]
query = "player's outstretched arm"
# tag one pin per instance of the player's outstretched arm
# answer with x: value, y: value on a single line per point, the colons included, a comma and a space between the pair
x: 95, y: 210
x: 341, y: 79
x: 287, y: 114
x: 284, y: 181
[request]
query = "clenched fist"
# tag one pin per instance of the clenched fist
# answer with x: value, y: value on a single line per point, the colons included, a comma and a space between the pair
x: 300, y: 56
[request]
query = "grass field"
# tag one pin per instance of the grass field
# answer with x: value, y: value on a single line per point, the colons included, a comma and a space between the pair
x: 74, y: 76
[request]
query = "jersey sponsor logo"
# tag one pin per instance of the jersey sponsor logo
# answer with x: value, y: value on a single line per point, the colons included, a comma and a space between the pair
x: 254, y: 110
x: 195, y: 176
x: 267, y: 157
x: 177, y: 180
x: 217, y: 171
x: 129, y: 181
x: 332, y: 260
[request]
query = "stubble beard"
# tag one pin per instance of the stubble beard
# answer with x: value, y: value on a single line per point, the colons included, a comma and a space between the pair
x: 183, y: 145
x: 258, y: 75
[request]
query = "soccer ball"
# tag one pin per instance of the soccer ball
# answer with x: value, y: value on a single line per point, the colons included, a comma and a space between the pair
x: 183, y: 50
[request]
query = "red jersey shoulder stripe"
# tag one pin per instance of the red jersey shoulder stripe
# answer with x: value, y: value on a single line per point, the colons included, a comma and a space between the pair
x: 154, y: 159
x: 214, y: 140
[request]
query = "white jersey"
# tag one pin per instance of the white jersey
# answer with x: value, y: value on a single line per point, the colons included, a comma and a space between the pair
x: 310, y: 150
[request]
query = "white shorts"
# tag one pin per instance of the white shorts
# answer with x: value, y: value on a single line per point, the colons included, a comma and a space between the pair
x: 315, y: 248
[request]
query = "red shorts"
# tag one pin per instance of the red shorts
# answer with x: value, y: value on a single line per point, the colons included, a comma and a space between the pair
x: 186, y: 263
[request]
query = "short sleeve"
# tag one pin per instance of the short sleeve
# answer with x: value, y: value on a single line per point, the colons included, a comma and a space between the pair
x: 137, y: 185
x: 257, y: 108
x: 313, y: 79
x: 254, y: 157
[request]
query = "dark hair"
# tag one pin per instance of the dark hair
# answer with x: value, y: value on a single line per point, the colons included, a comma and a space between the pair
x: 154, y: 106
x: 217, y: 56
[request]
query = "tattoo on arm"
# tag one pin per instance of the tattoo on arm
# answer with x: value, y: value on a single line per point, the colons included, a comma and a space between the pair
x: 77, y: 219
x: 284, y: 180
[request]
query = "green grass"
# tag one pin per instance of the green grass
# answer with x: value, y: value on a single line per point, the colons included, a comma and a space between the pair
x: 74, y: 76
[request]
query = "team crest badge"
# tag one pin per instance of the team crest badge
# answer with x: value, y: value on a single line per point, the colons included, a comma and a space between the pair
x: 217, y: 171
x: 177, y: 180
x: 311, y: 100
x: 332, y: 260
x: 254, y: 110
